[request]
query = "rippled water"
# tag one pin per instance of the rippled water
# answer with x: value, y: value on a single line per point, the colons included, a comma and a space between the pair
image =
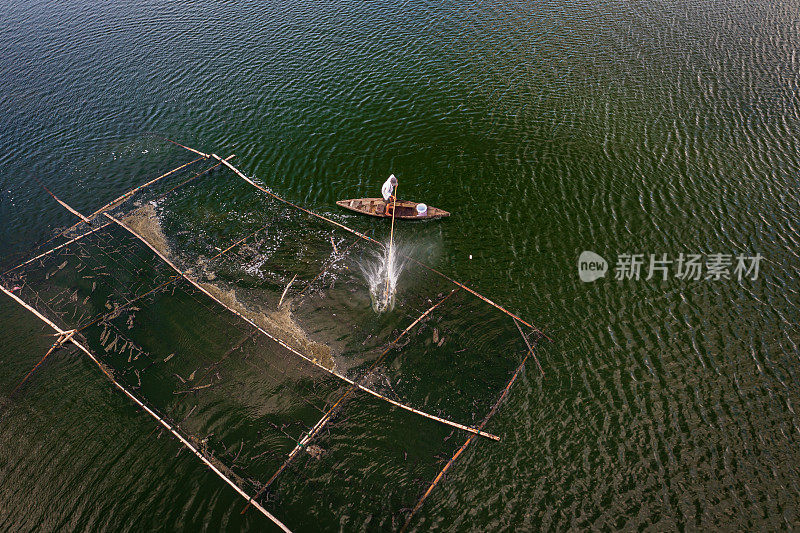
x: 547, y: 129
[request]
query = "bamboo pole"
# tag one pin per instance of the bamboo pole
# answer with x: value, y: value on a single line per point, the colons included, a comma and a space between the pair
x: 391, y: 245
x: 370, y: 239
x: 79, y: 237
x: 288, y: 347
x: 286, y: 290
x: 205, y: 156
x: 479, y: 296
x: 530, y: 348
x: 181, y: 184
x: 464, y: 446
x: 62, y: 338
x: 329, y: 414
x: 109, y: 205
x: 149, y: 411
x: 63, y: 204
x: 240, y: 241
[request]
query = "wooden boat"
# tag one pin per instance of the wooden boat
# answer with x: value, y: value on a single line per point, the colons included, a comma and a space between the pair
x: 376, y: 207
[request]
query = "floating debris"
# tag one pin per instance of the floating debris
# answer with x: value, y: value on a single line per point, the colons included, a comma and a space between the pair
x: 144, y: 221
x: 315, y: 451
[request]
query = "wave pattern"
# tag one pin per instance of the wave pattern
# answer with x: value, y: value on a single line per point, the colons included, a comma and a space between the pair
x: 547, y: 128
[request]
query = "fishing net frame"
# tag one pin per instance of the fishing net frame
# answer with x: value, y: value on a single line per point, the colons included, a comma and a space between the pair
x: 98, y: 225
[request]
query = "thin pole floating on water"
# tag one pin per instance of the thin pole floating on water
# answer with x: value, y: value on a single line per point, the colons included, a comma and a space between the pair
x: 149, y: 411
x: 286, y: 290
x: 205, y: 156
x: 389, y: 256
x: 63, y: 204
x: 62, y: 338
x: 528, y: 344
x: 464, y: 446
x: 237, y: 243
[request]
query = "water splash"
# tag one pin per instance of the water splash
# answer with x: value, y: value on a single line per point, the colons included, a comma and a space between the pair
x: 382, y: 271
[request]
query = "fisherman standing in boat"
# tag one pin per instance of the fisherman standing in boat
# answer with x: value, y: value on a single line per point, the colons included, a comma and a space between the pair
x: 388, y: 194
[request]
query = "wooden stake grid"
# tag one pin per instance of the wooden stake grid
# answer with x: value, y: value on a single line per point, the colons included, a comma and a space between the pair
x: 469, y: 440
x: 111, y: 204
x: 209, y: 364
x: 124, y: 262
x: 290, y: 348
x: 173, y: 430
x: 68, y: 335
x: 100, y: 316
x: 84, y: 264
x: 329, y: 414
x: 48, y: 252
x: 125, y: 337
x: 102, y: 280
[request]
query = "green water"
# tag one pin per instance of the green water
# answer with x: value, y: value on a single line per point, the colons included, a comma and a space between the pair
x: 547, y: 129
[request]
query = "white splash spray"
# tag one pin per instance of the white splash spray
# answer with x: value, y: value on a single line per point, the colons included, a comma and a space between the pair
x: 382, y: 271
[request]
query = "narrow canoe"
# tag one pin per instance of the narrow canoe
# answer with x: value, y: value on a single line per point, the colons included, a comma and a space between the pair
x: 376, y: 207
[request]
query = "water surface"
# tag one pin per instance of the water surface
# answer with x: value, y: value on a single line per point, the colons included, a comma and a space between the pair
x: 547, y: 129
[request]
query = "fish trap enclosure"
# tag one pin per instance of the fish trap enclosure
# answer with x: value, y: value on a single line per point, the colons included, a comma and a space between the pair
x: 243, y: 324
